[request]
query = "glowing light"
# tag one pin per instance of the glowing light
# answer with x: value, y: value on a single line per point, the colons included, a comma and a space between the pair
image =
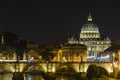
x: 8, y: 60
x: 53, y: 69
x: 22, y: 67
x: 62, y: 78
x: 98, y: 58
x: 90, y: 56
x: 31, y: 59
x: 64, y: 59
x: 23, y: 60
x: 115, y: 64
x: 89, y: 19
x: 105, y: 56
x: 30, y: 78
x: 44, y: 68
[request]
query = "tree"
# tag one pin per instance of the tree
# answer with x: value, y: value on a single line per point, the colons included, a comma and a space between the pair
x: 10, y: 38
x: 46, y: 55
x: 118, y: 75
x: 18, y: 76
x: 9, y: 52
x: 13, y: 43
x: 33, y: 53
x: 102, y: 72
x: 92, y: 72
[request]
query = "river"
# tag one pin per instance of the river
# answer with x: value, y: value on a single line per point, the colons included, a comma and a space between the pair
x: 8, y: 76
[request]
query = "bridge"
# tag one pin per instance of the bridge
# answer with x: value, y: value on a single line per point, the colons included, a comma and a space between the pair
x: 51, y: 67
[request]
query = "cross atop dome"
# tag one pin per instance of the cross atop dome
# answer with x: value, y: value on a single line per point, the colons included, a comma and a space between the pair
x: 89, y: 17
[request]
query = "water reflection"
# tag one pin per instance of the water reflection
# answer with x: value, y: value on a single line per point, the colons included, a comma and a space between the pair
x: 33, y: 77
x: 39, y: 77
x: 65, y: 78
x: 8, y: 76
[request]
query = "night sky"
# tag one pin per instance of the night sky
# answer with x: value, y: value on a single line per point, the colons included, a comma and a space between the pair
x: 55, y: 20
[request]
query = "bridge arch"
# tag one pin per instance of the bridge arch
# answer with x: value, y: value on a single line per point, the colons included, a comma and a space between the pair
x: 7, y: 68
x: 65, y: 68
x: 33, y: 67
x: 1, y: 68
x: 103, y: 71
x: 107, y: 66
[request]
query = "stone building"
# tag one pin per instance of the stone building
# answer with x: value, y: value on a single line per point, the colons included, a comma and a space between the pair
x: 71, y: 53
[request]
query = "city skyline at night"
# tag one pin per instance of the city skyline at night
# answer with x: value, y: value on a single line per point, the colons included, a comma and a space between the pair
x: 48, y: 21
x: 59, y: 40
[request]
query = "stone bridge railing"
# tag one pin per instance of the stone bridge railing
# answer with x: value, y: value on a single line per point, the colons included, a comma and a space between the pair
x: 26, y: 66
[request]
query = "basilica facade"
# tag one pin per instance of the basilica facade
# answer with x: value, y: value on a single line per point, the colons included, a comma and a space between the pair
x: 91, y: 37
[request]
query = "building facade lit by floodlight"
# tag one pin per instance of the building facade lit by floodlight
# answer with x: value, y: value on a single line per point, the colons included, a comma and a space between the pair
x: 91, y: 37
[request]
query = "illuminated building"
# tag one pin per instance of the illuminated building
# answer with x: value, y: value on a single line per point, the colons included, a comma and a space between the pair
x: 71, y: 53
x: 91, y: 37
x: 113, y: 52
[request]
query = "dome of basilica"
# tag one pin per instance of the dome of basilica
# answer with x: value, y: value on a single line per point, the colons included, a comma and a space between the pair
x: 89, y: 27
x: 89, y: 30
